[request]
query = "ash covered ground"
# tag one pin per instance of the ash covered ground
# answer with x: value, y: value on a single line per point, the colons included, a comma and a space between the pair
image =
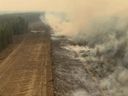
x: 94, y: 61
x: 80, y: 70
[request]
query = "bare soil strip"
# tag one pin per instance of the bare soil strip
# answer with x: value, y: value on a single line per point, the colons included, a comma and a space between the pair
x: 12, y: 46
x: 27, y: 71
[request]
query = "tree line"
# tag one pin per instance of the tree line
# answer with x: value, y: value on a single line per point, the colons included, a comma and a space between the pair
x: 9, y: 26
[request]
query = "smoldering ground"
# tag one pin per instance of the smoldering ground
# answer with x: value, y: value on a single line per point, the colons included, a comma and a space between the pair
x: 98, y: 60
x: 94, y: 61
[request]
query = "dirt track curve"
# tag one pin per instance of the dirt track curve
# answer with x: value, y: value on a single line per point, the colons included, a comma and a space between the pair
x: 27, y: 70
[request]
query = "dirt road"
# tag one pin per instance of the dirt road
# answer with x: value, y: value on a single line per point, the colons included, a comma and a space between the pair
x: 27, y: 70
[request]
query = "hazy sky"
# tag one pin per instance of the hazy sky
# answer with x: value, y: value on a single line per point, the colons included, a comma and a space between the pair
x: 34, y: 5
x: 81, y: 12
x: 60, y: 5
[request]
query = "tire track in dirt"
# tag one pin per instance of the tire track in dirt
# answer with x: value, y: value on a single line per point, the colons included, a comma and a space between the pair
x: 27, y: 71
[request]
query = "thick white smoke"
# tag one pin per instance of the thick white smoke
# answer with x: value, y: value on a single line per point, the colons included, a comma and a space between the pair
x: 102, y: 27
x: 81, y: 13
x: 60, y: 23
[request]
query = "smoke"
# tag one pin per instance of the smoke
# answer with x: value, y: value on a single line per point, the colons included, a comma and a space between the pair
x: 105, y: 48
x: 60, y: 23
x: 81, y: 13
x: 109, y: 36
x: 80, y: 93
x: 99, y: 23
x: 101, y: 28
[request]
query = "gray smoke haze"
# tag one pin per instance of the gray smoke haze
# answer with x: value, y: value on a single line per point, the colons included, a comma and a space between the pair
x: 109, y: 35
x: 102, y: 26
x: 81, y: 13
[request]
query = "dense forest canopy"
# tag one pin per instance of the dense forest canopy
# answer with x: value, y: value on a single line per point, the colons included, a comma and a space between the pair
x: 12, y: 24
